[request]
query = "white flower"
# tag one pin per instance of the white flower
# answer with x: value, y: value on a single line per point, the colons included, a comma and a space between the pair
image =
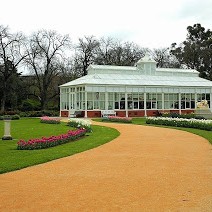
x: 202, y: 121
x: 81, y: 122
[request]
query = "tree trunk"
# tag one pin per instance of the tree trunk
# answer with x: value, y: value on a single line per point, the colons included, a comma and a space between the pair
x: 44, y: 101
x: 3, y: 101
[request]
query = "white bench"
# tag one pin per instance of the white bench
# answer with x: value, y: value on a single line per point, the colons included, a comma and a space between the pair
x: 75, y: 114
x: 106, y: 113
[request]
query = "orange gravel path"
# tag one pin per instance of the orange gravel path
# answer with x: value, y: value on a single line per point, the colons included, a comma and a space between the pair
x: 144, y: 169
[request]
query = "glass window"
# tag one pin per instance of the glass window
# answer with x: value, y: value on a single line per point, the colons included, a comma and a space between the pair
x: 135, y: 105
x: 193, y: 96
x: 90, y: 105
x: 102, y: 105
x: 110, y: 105
x: 96, y: 104
x: 159, y: 97
x: 102, y: 96
x: 175, y: 96
x: 110, y: 96
x: 141, y: 96
x: 130, y: 105
x: 188, y: 100
x: 159, y: 104
x: 141, y: 104
x: 135, y: 97
x: 207, y: 96
x: 204, y: 96
x: 117, y: 106
x: 90, y: 96
x: 96, y: 96
x: 171, y: 97
x: 148, y: 96
x: 116, y: 97
x: 166, y: 105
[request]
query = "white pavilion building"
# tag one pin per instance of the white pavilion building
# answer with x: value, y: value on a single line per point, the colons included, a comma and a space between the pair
x: 136, y: 91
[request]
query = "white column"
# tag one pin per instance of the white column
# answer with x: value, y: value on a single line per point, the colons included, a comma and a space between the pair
x: 60, y: 101
x: 211, y: 101
x: 86, y: 105
x: 69, y: 102
x: 163, y: 102
x: 180, y: 103
x: 145, y: 113
x: 106, y: 100
x: 75, y: 98
x: 126, y: 108
x: 195, y: 100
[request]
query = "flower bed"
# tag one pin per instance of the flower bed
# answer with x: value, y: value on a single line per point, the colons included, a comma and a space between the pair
x: 48, y: 120
x: 80, y: 123
x: 180, y: 122
x: 46, y: 142
x: 117, y: 119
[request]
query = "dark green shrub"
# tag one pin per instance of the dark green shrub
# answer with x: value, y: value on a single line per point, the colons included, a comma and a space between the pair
x: 15, y: 117
x: 50, y: 113
x: 39, y: 113
x: 9, y: 113
x: 30, y: 105
x: 23, y: 114
x: 200, y: 117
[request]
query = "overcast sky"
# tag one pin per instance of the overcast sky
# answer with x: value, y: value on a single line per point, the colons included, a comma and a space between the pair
x: 149, y: 23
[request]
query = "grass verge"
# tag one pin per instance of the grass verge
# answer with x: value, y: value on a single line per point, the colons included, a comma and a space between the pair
x: 142, y: 121
x: 13, y: 159
x: 203, y: 133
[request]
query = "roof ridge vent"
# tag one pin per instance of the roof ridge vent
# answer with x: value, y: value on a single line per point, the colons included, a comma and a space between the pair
x: 96, y: 76
x: 146, y: 59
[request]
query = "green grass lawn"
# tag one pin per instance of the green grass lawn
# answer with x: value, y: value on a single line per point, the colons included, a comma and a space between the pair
x: 205, y: 134
x: 26, y: 128
x: 142, y: 121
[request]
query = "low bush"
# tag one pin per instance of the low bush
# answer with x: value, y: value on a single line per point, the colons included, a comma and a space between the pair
x: 48, y: 120
x: 117, y: 119
x: 13, y: 117
x: 39, y: 113
x: 180, y: 122
x: 9, y: 113
x: 46, y: 142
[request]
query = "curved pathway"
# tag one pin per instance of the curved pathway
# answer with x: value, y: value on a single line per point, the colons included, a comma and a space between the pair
x: 144, y: 169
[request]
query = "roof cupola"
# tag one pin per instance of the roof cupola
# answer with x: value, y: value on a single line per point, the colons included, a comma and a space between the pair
x: 146, y: 65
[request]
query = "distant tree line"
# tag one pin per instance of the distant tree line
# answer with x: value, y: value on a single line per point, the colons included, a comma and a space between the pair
x: 52, y: 59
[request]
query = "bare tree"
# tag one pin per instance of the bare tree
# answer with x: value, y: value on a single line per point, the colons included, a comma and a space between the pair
x: 11, y: 55
x: 85, y: 54
x: 104, y: 56
x: 46, y: 50
x: 114, y: 52
x: 164, y: 59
